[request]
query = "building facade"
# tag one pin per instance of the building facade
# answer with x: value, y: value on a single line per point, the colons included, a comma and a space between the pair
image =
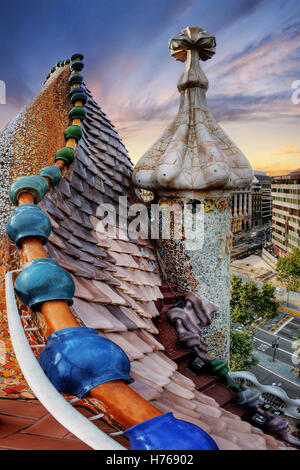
x: 266, y: 197
x: 286, y: 212
x: 251, y: 207
x: 256, y: 197
x: 241, y: 211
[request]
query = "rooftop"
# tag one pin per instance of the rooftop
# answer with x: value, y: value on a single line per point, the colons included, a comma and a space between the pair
x: 118, y: 292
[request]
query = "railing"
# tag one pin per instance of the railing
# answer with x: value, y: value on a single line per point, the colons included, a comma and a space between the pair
x: 43, y: 389
x: 271, y: 394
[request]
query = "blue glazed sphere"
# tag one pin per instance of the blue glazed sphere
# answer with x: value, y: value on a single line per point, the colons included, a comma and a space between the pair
x: 165, y: 432
x: 78, y: 359
x: 43, y: 280
x: 35, y: 185
x: 52, y: 172
x: 28, y: 221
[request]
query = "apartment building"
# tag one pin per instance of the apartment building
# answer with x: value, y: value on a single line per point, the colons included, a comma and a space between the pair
x: 266, y: 198
x: 256, y: 196
x: 286, y: 212
x: 252, y: 207
x: 241, y: 210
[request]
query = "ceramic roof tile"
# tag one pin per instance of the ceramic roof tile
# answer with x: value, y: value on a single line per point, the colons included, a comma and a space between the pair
x: 176, y: 407
x: 151, y: 340
x: 125, y: 260
x: 134, y: 317
x: 150, y: 376
x: 155, y: 366
x: 128, y: 321
x: 237, y: 425
x: 108, y: 312
x: 225, y: 444
x: 133, y: 338
x: 202, y: 398
x: 160, y: 359
x: 81, y: 291
x: 208, y: 410
x: 56, y: 240
x: 180, y: 390
x: 147, y: 392
x: 111, y: 294
x: 91, y: 317
x: 184, y: 381
x: 183, y: 402
x: 132, y: 351
x: 179, y: 415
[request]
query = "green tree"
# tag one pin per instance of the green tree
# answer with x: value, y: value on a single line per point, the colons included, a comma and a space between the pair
x: 249, y: 303
x: 288, y: 270
x: 241, y: 350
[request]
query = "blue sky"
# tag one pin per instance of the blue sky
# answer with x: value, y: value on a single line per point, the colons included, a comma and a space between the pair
x: 133, y: 78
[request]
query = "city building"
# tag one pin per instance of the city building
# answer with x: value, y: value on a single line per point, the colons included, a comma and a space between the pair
x: 286, y: 212
x: 241, y: 210
x: 266, y: 198
x: 256, y: 197
x: 251, y: 207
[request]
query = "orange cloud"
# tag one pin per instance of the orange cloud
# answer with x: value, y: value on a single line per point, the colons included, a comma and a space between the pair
x: 287, y: 150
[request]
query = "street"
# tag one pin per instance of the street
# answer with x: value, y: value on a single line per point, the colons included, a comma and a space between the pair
x: 267, y: 377
x: 280, y: 372
x: 286, y: 328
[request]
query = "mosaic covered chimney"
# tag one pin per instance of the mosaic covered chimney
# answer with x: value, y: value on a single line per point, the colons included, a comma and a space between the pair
x: 194, y: 165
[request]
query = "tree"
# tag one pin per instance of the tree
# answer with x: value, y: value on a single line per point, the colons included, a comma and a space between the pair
x: 248, y: 303
x: 241, y: 351
x: 288, y: 270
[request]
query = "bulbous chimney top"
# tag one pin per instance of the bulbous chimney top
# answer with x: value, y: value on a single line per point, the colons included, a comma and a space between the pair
x: 193, y: 153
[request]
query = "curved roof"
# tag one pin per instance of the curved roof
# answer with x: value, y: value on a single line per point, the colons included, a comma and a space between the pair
x: 117, y: 278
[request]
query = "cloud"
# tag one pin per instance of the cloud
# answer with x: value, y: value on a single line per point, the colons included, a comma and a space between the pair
x: 287, y: 150
x: 253, y: 107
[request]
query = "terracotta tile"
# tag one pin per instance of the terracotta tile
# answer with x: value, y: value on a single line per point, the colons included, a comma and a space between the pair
x: 12, y: 424
x: 24, y: 441
x: 47, y: 426
x: 21, y: 408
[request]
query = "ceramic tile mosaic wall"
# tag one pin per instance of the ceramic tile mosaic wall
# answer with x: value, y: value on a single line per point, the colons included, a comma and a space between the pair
x: 205, y: 270
x: 28, y: 143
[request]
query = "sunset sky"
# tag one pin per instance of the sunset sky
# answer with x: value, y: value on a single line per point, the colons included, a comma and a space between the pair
x: 133, y: 78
